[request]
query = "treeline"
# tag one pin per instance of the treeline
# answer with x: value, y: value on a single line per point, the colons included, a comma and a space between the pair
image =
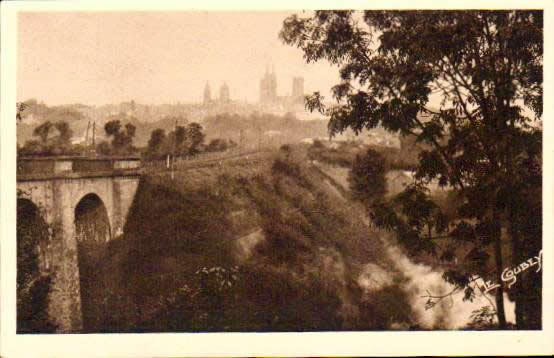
x: 263, y: 128
x: 184, y: 140
x: 148, y: 118
x: 343, y: 154
x: 31, y: 108
x: 125, y: 135
x: 53, y: 138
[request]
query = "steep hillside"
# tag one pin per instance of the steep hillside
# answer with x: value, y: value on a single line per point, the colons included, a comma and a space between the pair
x: 265, y: 246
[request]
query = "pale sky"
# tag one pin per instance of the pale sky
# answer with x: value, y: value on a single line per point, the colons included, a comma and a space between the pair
x: 155, y: 57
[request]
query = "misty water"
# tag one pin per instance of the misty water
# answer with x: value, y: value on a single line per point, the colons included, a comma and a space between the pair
x: 449, y: 313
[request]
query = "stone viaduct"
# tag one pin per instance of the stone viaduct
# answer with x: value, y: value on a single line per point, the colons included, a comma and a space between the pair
x: 82, y: 200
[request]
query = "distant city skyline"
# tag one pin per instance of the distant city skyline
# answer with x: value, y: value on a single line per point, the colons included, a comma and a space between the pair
x: 99, y: 58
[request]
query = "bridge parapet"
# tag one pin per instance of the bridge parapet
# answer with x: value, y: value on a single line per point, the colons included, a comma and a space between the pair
x: 33, y: 168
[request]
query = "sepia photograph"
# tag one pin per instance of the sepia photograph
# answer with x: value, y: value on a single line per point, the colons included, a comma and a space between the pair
x: 278, y: 171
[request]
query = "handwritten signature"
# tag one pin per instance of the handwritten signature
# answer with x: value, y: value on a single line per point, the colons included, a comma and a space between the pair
x: 510, y: 274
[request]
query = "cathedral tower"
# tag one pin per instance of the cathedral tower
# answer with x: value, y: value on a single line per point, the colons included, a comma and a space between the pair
x: 268, y: 86
x: 224, y: 93
x: 207, y: 94
x: 297, y: 88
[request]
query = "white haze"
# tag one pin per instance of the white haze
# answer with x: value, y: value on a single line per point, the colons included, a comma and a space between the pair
x: 447, y: 314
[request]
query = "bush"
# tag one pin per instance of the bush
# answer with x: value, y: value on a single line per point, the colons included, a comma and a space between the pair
x: 342, y: 158
x: 318, y: 144
x: 285, y: 167
x: 217, y: 145
x: 367, y: 177
x: 104, y: 148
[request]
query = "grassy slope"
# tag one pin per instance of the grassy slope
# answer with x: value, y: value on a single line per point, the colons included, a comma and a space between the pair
x: 301, y: 275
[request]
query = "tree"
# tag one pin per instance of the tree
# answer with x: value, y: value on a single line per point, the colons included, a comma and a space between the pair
x: 126, y: 138
x: 130, y: 130
x: 19, y: 109
x: 63, y: 113
x: 61, y: 144
x: 175, y: 141
x: 469, y: 85
x: 195, y: 137
x: 157, y: 138
x: 104, y: 148
x: 217, y: 145
x: 112, y: 128
x: 122, y: 142
x: 32, y: 147
x: 367, y: 177
x: 63, y: 141
x: 42, y: 131
x: 180, y: 136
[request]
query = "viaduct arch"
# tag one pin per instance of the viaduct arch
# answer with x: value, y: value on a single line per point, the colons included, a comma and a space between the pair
x: 84, y: 202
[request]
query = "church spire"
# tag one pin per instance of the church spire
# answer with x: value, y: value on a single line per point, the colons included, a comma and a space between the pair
x: 207, y: 93
x: 224, y: 95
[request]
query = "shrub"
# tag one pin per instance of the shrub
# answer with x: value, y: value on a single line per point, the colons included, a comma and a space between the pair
x: 217, y: 145
x: 285, y: 167
x: 367, y: 177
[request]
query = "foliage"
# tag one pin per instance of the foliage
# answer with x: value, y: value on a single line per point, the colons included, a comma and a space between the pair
x: 19, y: 108
x: 299, y: 277
x: 63, y: 141
x: 398, y: 159
x: 48, y: 145
x: 317, y: 144
x: 183, y: 219
x: 155, y: 143
x: 483, y: 138
x: 42, y: 131
x: 64, y: 113
x: 33, y: 147
x: 250, y: 130
x: 104, y: 148
x: 367, y: 177
x: 180, y: 136
x: 195, y: 137
x: 200, y: 304
x: 122, y: 140
x: 219, y: 145
x: 483, y: 318
x: 182, y: 141
x: 112, y: 128
x: 33, y: 282
x: 285, y: 167
x: 342, y: 156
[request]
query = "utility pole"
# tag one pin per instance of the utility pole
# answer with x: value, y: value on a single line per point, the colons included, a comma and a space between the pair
x: 241, y: 139
x: 174, y: 150
x: 87, y: 146
x: 94, y: 138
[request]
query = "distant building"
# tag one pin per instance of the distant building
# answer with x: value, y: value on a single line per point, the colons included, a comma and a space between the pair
x: 273, y: 102
x: 224, y: 96
x: 268, y: 87
x: 207, y: 94
x: 297, y: 88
